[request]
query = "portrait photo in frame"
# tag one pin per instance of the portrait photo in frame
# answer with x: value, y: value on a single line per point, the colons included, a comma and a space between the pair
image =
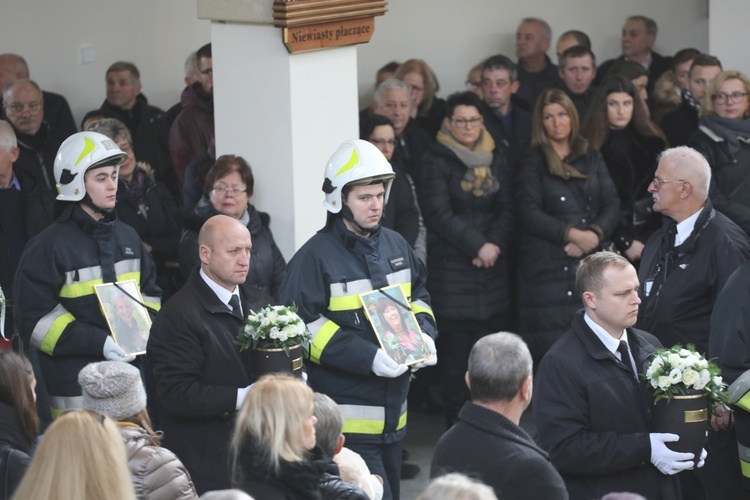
x: 128, y: 320
x: 395, y: 325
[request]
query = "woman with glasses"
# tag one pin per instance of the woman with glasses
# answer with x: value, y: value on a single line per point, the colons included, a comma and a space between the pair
x: 618, y: 126
x: 465, y: 196
x: 229, y: 186
x: 401, y: 212
x: 723, y: 137
x: 568, y: 208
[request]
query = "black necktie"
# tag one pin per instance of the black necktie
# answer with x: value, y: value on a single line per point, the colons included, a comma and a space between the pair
x: 625, y: 357
x: 234, y: 302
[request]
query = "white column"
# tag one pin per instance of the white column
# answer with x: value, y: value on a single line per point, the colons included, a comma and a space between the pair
x: 285, y: 114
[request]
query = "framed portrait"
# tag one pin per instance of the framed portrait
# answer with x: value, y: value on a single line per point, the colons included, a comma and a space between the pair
x: 128, y: 320
x: 395, y: 325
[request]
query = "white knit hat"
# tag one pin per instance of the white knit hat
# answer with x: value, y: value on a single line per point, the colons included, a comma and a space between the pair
x: 112, y: 388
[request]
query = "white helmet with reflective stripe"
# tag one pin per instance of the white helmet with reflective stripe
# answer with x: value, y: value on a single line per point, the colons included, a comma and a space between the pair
x: 355, y: 162
x: 79, y: 153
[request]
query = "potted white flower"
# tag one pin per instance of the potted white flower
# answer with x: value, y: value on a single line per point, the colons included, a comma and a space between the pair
x: 278, y: 337
x: 686, y: 388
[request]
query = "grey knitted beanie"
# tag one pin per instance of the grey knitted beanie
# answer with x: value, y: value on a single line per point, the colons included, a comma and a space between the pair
x: 112, y: 388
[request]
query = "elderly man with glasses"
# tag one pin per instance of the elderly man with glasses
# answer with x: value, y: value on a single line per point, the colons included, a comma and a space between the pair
x: 685, y: 265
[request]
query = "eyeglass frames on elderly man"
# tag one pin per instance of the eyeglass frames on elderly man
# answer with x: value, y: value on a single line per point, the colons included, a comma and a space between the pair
x: 658, y: 183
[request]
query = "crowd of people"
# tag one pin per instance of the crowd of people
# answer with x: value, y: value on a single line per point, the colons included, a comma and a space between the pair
x: 599, y: 211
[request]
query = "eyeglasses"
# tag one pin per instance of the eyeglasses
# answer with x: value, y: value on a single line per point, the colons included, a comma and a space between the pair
x: 223, y: 190
x: 463, y: 122
x: 723, y: 97
x: 658, y: 183
x: 383, y: 142
x: 208, y: 71
x: 18, y: 107
x: 472, y: 85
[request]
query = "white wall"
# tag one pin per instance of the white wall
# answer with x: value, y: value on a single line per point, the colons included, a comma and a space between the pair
x: 729, y: 17
x: 452, y: 36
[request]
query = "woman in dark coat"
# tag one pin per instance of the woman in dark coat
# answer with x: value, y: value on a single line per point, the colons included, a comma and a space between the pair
x: 229, y: 186
x: 568, y: 207
x: 723, y: 137
x: 465, y: 196
x: 147, y: 206
x: 19, y: 424
x: 618, y: 126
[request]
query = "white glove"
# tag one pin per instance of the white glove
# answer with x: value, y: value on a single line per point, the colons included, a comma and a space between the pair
x: 702, y: 460
x: 242, y: 394
x: 433, y: 351
x: 114, y: 352
x: 667, y: 461
x: 384, y: 366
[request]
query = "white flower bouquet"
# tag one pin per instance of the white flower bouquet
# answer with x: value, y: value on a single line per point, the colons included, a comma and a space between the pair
x: 276, y: 327
x: 677, y: 371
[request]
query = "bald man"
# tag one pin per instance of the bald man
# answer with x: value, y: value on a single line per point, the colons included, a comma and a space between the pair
x: 56, y: 108
x: 200, y: 375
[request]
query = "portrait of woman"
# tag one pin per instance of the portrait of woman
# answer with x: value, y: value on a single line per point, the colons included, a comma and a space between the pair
x: 401, y: 342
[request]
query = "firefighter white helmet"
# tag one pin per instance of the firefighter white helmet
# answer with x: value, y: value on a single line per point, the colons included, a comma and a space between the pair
x: 358, y: 163
x: 79, y: 153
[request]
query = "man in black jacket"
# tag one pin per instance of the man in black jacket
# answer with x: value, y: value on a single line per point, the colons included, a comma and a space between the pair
x: 200, y: 375
x: 590, y: 407
x: 685, y: 265
x: 487, y: 442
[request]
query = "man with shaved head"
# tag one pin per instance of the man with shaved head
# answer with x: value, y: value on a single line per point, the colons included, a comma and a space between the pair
x: 685, y: 265
x: 56, y: 109
x: 200, y: 375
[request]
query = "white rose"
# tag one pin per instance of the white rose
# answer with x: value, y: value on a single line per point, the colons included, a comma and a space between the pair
x: 283, y: 335
x: 703, y: 363
x: 265, y: 322
x: 690, y: 377
x: 674, y: 358
x: 718, y: 381
x: 685, y: 352
x: 274, y: 333
x: 657, y: 363
x: 705, y: 377
x: 664, y: 382
x: 691, y: 360
x: 675, y: 376
x: 273, y: 317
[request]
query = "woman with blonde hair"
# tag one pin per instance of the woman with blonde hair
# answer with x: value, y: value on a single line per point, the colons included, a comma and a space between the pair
x: 81, y: 456
x: 19, y: 424
x: 723, y: 137
x: 569, y: 208
x: 274, y: 455
x: 428, y: 109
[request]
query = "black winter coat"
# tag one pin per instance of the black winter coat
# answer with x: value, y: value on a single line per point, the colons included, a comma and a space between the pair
x: 593, y: 417
x: 14, y: 451
x: 730, y: 179
x: 410, y: 146
x: 548, y: 206
x: 458, y: 224
x: 197, y: 369
x: 267, y: 265
x: 513, y: 146
x: 680, y: 124
x: 631, y: 162
x: 679, y: 310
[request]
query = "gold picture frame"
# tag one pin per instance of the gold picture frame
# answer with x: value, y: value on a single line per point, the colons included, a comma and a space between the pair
x: 128, y: 320
x: 395, y: 325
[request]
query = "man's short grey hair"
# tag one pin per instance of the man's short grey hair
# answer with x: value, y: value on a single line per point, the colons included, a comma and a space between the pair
x: 650, y: 24
x: 190, y: 63
x: 498, y: 365
x: 389, y: 84
x: 544, y: 28
x: 329, y: 425
x: 7, y: 137
x: 112, y: 128
x: 692, y: 166
x: 7, y: 97
x: 456, y: 486
x: 225, y: 495
x: 499, y: 61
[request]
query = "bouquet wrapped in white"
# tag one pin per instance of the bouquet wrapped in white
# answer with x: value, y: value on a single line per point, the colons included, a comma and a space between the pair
x: 276, y: 327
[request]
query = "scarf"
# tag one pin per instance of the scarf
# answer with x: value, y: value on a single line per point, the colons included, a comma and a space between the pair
x: 136, y: 186
x: 561, y: 167
x: 687, y: 96
x: 478, y: 178
x: 732, y: 131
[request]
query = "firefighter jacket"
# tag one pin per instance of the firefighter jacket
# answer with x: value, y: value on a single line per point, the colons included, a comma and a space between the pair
x: 324, y: 280
x: 57, y: 310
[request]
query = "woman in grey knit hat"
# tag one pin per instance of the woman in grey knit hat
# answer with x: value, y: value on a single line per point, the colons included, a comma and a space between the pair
x: 115, y: 389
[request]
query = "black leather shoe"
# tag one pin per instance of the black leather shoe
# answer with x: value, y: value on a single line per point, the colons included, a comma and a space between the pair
x: 409, y: 471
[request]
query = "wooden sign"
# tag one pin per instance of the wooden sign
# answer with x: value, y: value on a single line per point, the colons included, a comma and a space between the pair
x: 319, y: 24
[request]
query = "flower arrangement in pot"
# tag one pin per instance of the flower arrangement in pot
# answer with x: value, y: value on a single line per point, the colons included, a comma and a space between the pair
x: 686, y: 388
x: 278, y: 337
